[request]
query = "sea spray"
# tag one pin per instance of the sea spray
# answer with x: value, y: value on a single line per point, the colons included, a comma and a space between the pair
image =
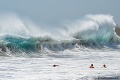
x: 95, y: 30
x: 12, y: 24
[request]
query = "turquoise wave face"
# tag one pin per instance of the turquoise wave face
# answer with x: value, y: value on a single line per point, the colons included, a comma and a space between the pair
x: 19, y: 44
x: 23, y: 44
x: 33, y: 44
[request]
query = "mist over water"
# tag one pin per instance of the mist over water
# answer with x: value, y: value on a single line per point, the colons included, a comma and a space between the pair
x: 12, y: 24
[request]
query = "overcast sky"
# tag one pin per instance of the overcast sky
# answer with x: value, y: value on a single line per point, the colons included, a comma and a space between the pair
x: 55, y: 11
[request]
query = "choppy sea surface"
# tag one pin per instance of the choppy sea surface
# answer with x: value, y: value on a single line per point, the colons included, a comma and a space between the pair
x: 72, y: 66
x: 29, y: 54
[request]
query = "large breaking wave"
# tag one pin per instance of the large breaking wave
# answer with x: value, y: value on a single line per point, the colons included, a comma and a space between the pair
x: 94, y: 31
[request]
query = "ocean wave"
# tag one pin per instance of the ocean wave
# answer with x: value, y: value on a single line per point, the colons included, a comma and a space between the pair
x: 94, y: 31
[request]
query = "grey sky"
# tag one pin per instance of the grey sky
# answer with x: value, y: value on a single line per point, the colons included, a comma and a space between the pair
x: 55, y: 11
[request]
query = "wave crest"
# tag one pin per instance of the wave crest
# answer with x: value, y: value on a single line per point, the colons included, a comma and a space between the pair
x: 95, y: 30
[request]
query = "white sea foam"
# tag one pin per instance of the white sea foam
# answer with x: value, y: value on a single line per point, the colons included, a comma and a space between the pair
x: 73, y: 65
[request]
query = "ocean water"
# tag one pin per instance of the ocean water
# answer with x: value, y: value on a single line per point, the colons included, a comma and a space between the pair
x: 29, y: 53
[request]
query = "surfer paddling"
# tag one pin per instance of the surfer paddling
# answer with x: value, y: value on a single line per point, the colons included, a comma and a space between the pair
x: 104, y: 66
x: 55, y: 65
x: 91, y: 66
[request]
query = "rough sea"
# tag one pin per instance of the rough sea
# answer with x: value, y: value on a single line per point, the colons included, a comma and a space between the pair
x: 29, y: 53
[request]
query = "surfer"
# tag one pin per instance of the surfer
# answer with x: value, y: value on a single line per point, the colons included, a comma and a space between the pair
x: 55, y: 65
x: 91, y: 66
x: 104, y: 66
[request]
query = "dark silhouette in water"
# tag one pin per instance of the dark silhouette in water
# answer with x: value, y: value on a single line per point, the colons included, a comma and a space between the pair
x: 91, y: 66
x: 104, y: 66
x: 55, y: 65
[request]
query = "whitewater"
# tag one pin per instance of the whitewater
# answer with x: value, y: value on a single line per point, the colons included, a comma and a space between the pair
x: 27, y: 52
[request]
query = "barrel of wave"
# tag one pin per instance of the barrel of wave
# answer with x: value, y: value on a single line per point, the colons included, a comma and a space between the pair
x: 117, y: 30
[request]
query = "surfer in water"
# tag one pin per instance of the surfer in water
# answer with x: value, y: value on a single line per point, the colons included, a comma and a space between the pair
x: 104, y: 66
x: 91, y: 66
x: 55, y: 65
